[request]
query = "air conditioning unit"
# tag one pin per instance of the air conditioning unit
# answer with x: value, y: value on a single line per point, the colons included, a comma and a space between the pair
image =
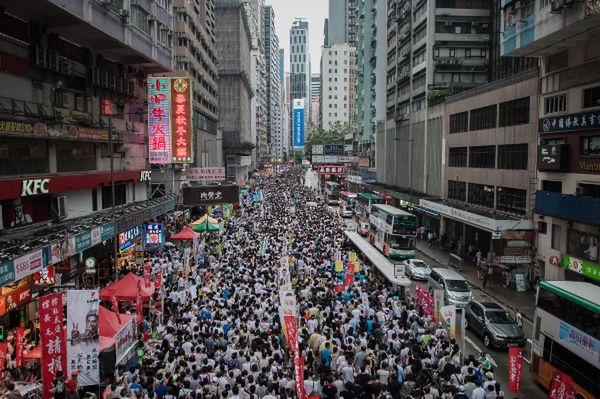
x: 445, y: 84
x: 579, y: 191
x: 124, y: 13
x: 59, y: 208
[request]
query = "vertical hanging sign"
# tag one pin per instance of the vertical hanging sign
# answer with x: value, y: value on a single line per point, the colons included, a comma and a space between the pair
x: 298, y: 123
x: 159, y: 127
x: 181, y: 120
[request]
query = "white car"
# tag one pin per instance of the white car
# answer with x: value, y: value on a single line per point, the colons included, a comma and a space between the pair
x: 346, y: 211
x: 416, y: 269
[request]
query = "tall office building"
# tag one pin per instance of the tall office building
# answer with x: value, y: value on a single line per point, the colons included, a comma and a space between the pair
x: 300, y: 64
x: 315, y: 100
x: 342, y: 23
x: 274, y: 86
x: 234, y: 46
x: 195, y: 56
x: 338, y: 85
x: 326, y: 32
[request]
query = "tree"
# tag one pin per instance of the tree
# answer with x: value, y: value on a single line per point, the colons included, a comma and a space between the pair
x: 334, y: 135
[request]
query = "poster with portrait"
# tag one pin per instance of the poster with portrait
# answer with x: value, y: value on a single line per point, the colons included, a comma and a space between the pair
x: 283, y: 276
x: 24, y: 211
x: 82, y: 335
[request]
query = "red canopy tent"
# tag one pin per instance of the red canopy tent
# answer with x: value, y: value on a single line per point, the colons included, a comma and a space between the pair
x: 109, y: 326
x: 185, y: 234
x: 126, y: 289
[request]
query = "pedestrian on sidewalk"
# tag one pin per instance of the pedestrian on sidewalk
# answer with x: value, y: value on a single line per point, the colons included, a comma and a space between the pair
x: 491, y: 275
x: 519, y: 319
x: 478, y: 264
x: 484, y: 273
x: 430, y: 238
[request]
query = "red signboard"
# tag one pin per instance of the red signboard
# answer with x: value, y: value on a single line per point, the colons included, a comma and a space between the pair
x: 159, y: 127
x: 299, y: 372
x: 13, y: 64
x: 138, y: 298
x: 158, y: 279
x: 2, y: 358
x: 292, y: 333
x: 515, y: 367
x: 147, y: 276
x: 181, y: 120
x: 330, y: 169
x: 561, y: 386
x: 14, y: 299
x: 19, y: 346
x: 54, y: 351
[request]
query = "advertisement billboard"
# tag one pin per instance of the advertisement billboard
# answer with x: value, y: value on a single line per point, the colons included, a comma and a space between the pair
x: 181, y: 119
x: 207, y: 195
x: 298, y: 110
x: 154, y: 234
x: 82, y: 335
x: 205, y: 174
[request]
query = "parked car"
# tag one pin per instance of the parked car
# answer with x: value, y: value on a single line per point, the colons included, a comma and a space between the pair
x: 456, y: 289
x: 494, y: 324
x: 346, y: 211
x: 416, y: 269
x: 363, y: 228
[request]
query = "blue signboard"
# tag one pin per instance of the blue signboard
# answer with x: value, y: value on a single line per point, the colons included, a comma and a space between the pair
x: 127, y: 238
x: 580, y: 121
x: 299, y: 127
x: 154, y: 234
x: 333, y: 149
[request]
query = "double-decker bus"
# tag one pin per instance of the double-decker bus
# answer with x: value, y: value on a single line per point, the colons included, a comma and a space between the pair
x: 566, y: 335
x: 332, y: 192
x: 393, y: 231
x: 348, y: 198
x: 364, y: 201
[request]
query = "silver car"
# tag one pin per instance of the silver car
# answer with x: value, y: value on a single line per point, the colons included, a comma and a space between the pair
x: 346, y: 211
x: 416, y: 269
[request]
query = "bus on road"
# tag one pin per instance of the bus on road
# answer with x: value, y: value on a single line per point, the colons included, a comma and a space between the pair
x: 566, y: 335
x: 364, y: 201
x: 332, y: 192
x: 393, y: 231
x: 348, y: 198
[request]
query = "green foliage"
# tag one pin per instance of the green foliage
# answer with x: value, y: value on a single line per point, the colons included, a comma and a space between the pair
x: 335, y: 135
x: 296, y: 155
x: 435, y: 97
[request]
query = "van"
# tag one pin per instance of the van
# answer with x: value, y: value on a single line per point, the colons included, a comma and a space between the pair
x: 456, y: 289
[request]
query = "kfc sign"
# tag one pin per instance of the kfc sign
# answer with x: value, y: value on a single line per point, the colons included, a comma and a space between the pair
x: 330, y: 170
x: 145, y: 175
x: 34, y: 187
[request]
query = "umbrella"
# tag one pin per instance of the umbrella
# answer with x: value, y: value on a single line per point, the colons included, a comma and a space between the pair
x: 206, y: 224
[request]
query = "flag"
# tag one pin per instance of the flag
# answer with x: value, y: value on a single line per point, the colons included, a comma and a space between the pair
x: 515, y: 367
x: 349, y: 279
x: 147, y: 274
x: 561, y: 386
x: 54, y: 351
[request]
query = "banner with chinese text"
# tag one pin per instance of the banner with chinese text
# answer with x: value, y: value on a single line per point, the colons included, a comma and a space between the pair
x: 159, y: 126
x: 515, y: 367
x: 561, y: 386
x: 181, y: 120
x: 82, y: 335
x: 53, y: 340
x: 125, y: 340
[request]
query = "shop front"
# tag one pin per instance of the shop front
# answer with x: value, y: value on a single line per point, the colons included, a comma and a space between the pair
x: 581, y: 260
x: 131, y: 248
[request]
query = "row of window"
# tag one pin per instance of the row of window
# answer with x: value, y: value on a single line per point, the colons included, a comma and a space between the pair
x: 507, y: 199
x: 558, y: 103
x: 515, y: 112
x: 510, y: 156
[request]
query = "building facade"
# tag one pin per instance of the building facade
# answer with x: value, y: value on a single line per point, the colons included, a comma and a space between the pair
x: 561, y: 35
x: 72, y: 109
x: 195, y: 56
x: 274, y: 86
x: 234, y: 47
x: 300, y: 65
x: 342, y: 22
x: 338, y: 85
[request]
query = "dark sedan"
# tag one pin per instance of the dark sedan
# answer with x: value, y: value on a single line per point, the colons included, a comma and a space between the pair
x: 494, y: 324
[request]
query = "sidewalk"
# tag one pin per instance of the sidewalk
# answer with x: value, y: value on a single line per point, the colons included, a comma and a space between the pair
x: 512, y: 299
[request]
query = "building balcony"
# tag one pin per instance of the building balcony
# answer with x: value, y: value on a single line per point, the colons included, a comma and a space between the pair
x: 462, y: 37
x: 560, y: 24
x: 583, y: 209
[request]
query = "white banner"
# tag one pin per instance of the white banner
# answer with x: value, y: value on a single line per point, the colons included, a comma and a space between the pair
x: 125, y: 340
x: 333, y: 159
x: 28, y: 264
x: 205, y: 174
x: 82, y: 335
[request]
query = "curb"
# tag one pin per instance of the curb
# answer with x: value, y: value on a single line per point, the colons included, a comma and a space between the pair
x: 493, y: 296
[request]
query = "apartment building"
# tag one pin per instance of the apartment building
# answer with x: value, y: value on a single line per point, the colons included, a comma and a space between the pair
x: 338, y: 84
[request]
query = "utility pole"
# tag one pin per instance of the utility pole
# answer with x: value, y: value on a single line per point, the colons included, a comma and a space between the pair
x: 112, y: 199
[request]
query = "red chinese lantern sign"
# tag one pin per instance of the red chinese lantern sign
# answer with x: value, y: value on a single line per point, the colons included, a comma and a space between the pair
x: 181, y: 120
x: 159, y: 127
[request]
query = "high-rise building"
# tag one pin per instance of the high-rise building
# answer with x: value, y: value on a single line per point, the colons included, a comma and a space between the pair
x: 342, y: 23
x: 562, y: 35
x: 315, y: 85
x: 338, y: 85
x: 326, y: 32
x: 195, y: 56
x: 431, y: 54
x: 73, y: 118
x: 274, y: 86
x: 300, y: 64
x: 315, y: 100
x: 234, y: 47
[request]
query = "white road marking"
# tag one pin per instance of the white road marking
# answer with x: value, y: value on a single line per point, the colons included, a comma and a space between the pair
x: 478, y: 350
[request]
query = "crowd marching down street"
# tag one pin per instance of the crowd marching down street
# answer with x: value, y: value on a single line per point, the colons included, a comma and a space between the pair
x: 222, y: 334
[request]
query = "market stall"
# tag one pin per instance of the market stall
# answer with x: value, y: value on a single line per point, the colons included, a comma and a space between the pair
x: 186, y: 234
x: 206, y: 224
x: 125, y: 289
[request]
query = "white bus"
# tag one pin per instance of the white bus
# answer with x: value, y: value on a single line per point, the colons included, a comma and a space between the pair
x: 332, y: 192
x: 566, y: 335
x: 393, y: 231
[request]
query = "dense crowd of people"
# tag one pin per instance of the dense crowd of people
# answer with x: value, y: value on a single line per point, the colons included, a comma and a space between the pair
x: 221, y: 336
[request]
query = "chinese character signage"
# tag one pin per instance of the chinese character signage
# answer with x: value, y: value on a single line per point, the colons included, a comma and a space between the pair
x: 580, y: 343
x: 515, y: 366
x: 333, y: 149
x: 126, y: 239
x: 571, y: 122
x: 552, y: 157
x: 330, y: 170
x: 125, y: 341
x: 154, y: 234
x: 82, y: 335
x: 207, y: 195
x: 561, y: 386
x: 28, y: 264
x: 54, y: 355
x: 298, y: 112
x: 205, y: 174
x: 159, y: 127
x: 181, y: 120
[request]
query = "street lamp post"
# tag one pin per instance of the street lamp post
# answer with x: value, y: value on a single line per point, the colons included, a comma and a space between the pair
x: 112, y: 200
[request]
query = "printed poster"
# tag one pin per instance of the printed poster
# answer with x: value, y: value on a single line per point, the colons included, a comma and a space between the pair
x: 515, y: 368
x: 448, y: 314
x: 53, y: 339
x: 82, y: 335
x: 125, y: 340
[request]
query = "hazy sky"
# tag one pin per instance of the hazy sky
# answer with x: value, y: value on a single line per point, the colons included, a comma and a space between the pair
x: 315, y: 12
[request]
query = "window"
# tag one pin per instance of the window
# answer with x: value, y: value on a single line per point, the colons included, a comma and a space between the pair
x: 556, y: 230
x: 513, y: 156
x: 591, y: 97
x: 20, y: 156
x: 120, y: 195
x: 511, y: 200
x: 515, y: 112
x: 590, y: 145
x: 480, y: 194
x: 555, y: 104
x: 457, y: 190
x: 74, y: 157
x: 459, y: 122
x: 557, y: 61
x: 552, y: 186
x: 582, y: 245
x: 457, y: 156
x: 139, y: 19
x: 483, y: 118
x: 482, y: 156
